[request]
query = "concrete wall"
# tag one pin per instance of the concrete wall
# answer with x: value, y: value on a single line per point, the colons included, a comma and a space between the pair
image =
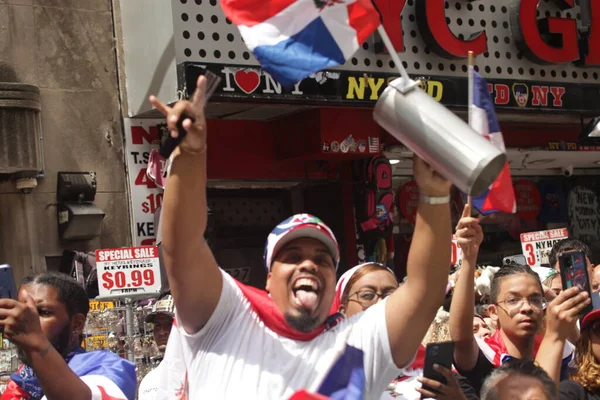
x: 66, y: 48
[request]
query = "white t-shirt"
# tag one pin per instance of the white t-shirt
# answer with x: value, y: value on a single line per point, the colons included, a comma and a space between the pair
x: 235, y: 356
x: 148, y: 389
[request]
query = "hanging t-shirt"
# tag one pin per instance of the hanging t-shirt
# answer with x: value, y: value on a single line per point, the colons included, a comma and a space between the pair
x: 570, y: 390
x: 235, y: 355
x: 149, y: 386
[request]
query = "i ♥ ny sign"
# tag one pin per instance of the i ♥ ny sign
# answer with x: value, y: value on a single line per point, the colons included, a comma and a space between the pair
x: 253, y: 81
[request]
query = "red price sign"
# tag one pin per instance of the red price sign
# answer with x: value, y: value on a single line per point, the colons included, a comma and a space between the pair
x: 408, y: 200
x: 128, y: 271
x: 456, y: 254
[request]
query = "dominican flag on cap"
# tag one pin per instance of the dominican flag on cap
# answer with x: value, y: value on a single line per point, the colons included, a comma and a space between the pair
x: 300, y: 226
x: 293, y: 38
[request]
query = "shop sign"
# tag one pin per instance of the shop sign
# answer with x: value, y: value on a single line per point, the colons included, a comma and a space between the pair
x: 126, y: 272
x: 240, y: 274
x: 348, y: 88
x: 141, y: 137
x: 562, y: 145
x: 547, y: 40
x: 537, y: 245
x: 584, y: 214
x: 408, y: 200
x: 96, y: 342
x: 96, y: 305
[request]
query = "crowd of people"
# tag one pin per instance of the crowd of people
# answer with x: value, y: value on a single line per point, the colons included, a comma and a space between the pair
x: 310, y: 335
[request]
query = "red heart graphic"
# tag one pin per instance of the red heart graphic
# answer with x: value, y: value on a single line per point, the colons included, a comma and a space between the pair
x: 248, y: 81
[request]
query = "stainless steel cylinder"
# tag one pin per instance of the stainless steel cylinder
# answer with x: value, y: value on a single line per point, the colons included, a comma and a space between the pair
x: 439, y: 137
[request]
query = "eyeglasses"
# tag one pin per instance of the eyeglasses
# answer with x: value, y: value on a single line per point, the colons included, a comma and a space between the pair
x: 515, y: 303
x: 368, y: 297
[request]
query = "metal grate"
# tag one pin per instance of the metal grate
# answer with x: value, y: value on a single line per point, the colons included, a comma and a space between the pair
x: 202, y: 34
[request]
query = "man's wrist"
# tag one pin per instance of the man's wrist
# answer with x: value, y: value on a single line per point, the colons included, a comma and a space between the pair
x: 38, y: 345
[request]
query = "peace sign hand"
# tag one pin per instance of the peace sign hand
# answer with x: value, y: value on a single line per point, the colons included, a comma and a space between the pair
x: 195, y: 140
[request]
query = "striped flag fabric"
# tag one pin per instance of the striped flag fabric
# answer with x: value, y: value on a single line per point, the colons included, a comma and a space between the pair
x: 373, y: 144
x: 500, y: 197
x: 293, y: 38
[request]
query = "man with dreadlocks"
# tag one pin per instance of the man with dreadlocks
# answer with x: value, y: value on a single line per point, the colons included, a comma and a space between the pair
x: 46, y: 324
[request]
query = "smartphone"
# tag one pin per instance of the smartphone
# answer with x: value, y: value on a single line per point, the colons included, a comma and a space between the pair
x: 574, y: 272
x: 441, y: 353
x: 8, y: 288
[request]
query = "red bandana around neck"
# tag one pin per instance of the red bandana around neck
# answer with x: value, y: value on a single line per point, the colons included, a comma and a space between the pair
x: 268, y: 312
x: 496, y: 343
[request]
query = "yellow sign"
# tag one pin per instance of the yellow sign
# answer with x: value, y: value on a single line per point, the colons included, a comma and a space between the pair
x: 95, y: 342
x: 367, y: 88
x: 101, y: 305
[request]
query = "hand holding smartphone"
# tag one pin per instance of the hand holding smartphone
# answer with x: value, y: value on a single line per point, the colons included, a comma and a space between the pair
x: 8, y: 288
x: 441, y: 353
x: 574, y: 272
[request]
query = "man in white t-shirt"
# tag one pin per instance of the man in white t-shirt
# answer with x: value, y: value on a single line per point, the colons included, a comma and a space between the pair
x: 234, y: 341
x: 163, y: 312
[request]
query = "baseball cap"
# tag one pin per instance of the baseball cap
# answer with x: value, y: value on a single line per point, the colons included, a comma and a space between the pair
x: 300, y: 226
x: 163, y: 306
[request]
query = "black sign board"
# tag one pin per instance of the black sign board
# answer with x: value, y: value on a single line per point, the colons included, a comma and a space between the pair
x: 355, y: 89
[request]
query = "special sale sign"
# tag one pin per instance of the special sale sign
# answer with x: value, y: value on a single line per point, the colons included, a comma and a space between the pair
x: 128, y: 272
x: 537, y: 245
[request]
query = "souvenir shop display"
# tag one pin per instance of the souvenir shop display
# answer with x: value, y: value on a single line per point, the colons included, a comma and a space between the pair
x: 106, y: 329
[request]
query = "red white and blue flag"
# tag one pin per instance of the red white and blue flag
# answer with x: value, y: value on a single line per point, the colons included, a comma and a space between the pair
x: 292, y: 39
x: 500, y: 197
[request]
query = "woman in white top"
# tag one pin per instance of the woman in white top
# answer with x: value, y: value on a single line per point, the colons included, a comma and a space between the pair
x: 364, y: 286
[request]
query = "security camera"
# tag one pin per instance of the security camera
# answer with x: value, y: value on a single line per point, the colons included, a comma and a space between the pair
x: 26, y: 185
x: 567, y: 170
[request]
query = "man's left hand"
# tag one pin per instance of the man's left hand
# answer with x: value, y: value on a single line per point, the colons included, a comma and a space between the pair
x: 21, y: 323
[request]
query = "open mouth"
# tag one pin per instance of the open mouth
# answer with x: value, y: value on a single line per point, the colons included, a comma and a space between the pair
x: 527, y: 323
x: 306, y: 292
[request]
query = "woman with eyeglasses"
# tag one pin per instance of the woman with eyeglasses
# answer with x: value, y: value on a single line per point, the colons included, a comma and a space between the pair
x: 584, y: 381
x: 518, y: 309
x: 365, y: 285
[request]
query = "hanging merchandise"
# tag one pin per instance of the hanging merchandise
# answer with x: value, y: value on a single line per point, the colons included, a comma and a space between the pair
x: 9, y: 361
x: 106, y: 330
x: 375, y: 205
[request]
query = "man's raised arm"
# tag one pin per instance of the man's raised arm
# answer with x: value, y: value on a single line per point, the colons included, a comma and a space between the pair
x: 194, y: 277
x: 410, y: 310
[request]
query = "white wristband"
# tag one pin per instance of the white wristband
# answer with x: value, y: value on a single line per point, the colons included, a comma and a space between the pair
x: 434, y: 200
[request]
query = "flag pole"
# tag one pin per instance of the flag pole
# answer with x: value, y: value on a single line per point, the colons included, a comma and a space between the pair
x: 471, y: 67
x: 390, y: 48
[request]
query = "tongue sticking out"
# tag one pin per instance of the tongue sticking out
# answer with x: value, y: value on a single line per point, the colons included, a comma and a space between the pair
x: 306, y: 299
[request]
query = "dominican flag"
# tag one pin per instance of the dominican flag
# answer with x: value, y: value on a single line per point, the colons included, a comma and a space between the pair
x: 500, y: 197
x: 292, y: 39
